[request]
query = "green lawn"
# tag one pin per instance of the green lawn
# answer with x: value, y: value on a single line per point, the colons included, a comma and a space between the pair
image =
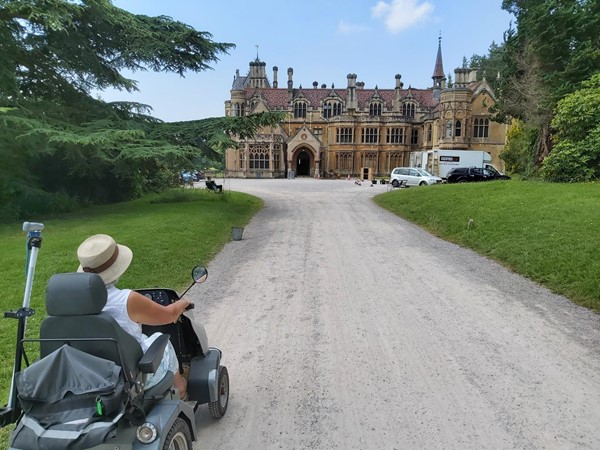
x: 548, y: 232
x: 168, y: 234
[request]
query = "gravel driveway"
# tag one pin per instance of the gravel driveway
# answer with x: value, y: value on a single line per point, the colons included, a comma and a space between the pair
x: 346, y: 327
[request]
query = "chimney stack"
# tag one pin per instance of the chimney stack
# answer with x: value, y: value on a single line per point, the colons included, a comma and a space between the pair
x: 290, y: 87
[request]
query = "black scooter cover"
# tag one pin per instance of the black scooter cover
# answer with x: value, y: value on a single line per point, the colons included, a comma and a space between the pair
x: 71, y: 400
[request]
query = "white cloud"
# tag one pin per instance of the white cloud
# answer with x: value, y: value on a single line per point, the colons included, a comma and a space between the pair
x: 398, y: 15
x: 348, y: 28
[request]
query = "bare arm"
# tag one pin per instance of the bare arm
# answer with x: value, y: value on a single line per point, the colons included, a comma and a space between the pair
x: 143, y: 310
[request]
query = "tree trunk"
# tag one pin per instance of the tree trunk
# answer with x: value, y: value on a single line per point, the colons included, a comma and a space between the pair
x: 544, y: 145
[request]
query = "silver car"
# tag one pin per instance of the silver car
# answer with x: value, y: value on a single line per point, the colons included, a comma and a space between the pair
x: 412, y: 176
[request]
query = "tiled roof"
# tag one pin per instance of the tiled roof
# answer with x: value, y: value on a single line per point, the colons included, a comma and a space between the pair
x: 278, y: 98
x: 239, y: 83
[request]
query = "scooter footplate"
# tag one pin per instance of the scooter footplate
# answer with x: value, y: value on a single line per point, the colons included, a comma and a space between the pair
x: 203, y: 377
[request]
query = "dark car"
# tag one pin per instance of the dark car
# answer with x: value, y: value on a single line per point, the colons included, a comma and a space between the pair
x: 466, y: 174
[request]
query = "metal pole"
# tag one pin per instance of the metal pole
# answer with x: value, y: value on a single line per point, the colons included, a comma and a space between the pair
x: 34, y: 243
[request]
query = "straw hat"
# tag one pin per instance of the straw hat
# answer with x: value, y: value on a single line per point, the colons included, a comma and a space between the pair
x: 102, y: 255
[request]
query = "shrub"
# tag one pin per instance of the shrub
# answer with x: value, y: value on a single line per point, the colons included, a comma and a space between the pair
x: 518, y: 153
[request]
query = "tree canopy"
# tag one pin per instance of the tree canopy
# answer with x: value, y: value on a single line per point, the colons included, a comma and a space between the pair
x: 553, y: 49
x: 60, y: 146
x: 576, y: 124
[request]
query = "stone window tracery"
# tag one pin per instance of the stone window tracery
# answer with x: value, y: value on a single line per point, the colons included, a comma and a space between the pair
x: 259, y: 155
x: 369, y: 159
x: 396, y: 160
x: 344, y: 161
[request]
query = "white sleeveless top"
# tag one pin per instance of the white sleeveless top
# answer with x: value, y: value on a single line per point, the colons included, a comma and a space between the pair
x: 116, y: 306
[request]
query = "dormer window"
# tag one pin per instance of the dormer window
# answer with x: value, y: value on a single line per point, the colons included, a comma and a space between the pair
x: 375, y: 109
x: 408, y: 109
x: 300, y: 110
x: 332, y: 108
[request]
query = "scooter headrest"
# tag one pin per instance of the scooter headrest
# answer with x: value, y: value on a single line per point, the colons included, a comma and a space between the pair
x: 75, y: 294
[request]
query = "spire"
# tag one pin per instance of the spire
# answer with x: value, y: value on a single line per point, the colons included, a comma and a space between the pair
x: 439, y: 78
x: 438, y: 71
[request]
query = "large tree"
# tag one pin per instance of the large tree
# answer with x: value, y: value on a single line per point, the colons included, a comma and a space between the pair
x: 57, y: 141
x: 554, y: 47
x: 576, y: 124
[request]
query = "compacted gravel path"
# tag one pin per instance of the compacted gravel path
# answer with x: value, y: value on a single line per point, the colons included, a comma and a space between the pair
x: 346, y: 327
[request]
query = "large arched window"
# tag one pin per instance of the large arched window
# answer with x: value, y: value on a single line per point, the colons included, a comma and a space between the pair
x: 300, y: 110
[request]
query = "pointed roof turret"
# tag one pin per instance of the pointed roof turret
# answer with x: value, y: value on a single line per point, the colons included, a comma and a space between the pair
x: 438, y: 72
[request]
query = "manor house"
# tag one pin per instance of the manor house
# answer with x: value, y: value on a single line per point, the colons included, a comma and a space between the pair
x: 355, y: 131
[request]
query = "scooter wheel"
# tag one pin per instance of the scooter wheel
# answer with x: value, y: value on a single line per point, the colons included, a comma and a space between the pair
x: 179, y: 436
x: 218, y: 408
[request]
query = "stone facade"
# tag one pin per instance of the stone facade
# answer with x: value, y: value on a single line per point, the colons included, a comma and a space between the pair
x: 332, y: 132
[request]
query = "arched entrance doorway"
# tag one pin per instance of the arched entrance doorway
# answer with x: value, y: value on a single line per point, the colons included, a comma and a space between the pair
x: 303, y: 163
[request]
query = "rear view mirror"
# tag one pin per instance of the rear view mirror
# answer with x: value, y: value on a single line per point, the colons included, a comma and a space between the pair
x: 199, y: 274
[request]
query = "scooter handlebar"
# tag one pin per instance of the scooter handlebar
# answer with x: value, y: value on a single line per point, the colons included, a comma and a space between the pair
x: 190, y: 306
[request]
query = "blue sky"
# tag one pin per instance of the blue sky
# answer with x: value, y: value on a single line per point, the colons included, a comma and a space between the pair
x: 322, y: 40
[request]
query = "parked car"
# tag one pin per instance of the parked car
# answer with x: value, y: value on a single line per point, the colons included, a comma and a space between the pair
x: 413, y: 176
x: 467, y: 174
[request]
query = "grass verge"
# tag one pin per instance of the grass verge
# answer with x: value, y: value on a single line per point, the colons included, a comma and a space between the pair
x: 547, y: 232
x: 168, y: 233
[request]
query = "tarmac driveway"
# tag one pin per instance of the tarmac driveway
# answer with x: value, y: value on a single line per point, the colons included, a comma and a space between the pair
x: 346, y: 327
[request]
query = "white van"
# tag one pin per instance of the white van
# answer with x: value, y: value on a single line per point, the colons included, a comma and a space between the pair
x: 412, y: 176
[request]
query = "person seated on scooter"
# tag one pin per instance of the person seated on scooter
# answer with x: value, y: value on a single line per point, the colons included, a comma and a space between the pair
x: 101, y: 254
x: 210, y: 184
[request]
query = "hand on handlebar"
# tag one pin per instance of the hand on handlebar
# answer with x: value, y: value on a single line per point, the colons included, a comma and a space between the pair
x: 188, y: 304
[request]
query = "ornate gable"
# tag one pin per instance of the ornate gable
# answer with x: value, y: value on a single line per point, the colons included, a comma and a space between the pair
x: 304, y: 137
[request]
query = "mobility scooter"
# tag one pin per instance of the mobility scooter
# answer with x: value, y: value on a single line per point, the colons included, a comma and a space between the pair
x: 87, y: 389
